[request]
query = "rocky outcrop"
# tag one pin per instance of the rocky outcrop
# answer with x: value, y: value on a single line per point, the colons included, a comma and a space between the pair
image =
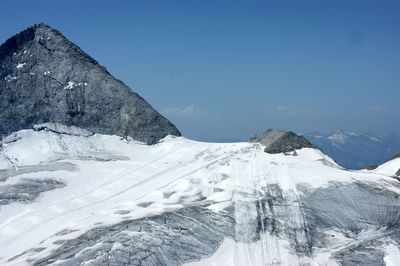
x: 276, y: 141
x: 46, y: 78
x: 63, y: 129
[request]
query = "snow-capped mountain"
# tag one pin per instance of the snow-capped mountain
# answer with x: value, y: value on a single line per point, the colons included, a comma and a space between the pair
x: 78, y: 188
x: 355, y: 151
x: 70, y: 199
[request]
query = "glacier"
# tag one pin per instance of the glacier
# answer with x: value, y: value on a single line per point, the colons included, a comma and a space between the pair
x: 89, y: 199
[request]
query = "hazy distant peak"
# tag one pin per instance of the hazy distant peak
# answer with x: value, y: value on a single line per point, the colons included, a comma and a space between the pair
x: 338, y: 137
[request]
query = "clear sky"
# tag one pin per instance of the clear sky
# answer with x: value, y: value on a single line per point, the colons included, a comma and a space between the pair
x: 227, y: 69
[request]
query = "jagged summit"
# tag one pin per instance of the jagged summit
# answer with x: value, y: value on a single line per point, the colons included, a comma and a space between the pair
x: 46, y: 78
x: 277, y: 141
x: 37, y: 33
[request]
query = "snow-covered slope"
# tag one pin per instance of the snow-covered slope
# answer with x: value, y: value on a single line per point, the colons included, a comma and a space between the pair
x: 102, y: 200
x: 390, y: 168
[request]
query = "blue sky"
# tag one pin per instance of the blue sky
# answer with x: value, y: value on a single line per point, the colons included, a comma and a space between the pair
x: 225, y: 69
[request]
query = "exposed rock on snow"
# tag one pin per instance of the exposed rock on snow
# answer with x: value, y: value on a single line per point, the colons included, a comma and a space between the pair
x: 63, y: 129
x: 73, y: 90
x: 282, y: 141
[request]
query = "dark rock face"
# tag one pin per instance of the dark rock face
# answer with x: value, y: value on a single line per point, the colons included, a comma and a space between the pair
x: 282, y: 141
x: 46, y: 78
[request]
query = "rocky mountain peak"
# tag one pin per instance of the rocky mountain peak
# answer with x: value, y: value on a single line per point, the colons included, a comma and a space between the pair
x: 45, y: 78
x: 23, y: 38
x: 45, y: 36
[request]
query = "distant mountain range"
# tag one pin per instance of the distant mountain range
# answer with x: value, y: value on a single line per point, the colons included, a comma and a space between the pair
x: 356, y: 151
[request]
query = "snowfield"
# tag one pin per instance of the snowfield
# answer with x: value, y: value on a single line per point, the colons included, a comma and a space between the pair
x: 103, y: 200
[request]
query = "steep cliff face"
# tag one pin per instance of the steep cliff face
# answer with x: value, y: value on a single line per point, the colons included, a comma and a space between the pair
x: 46, y: 78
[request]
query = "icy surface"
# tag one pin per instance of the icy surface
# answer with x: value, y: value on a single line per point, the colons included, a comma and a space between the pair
x: 102, y: 200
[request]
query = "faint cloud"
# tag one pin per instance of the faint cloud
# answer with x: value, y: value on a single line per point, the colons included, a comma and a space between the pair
x: 283, y: 108
x: 189, y: 111
x: 294, y: 110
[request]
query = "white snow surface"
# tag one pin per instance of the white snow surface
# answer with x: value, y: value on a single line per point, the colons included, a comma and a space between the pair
x: 20, y: 65
x: 69, y: 86
x: 9, y: 78
x: 387, y: 169
x: 114, y: 174
x: 392, y: 255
